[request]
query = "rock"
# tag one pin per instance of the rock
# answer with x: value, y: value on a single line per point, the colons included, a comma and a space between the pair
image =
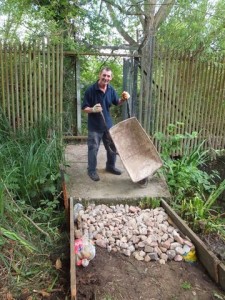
x: 131, y: 248
x: 166, y: 244
x: 133, y: 209
x: 171, y: 254
x: 138, y: 256
x: 141, y: 244
x: 153, y: 256
x: 142, y: 253
x: 174, y: 245
x: 178, y: 258
x: 148, y: 248
x: 126, y: 252
x: 148, y: 234
x: 188, y: 243
x: 163, y: 227
x: 135, y: 239
x: 147, y: 258
x: 162, y: 261
x: 186, y: 248
x: 179, y: 239
x: 164, y: 256
x: 101, y: 243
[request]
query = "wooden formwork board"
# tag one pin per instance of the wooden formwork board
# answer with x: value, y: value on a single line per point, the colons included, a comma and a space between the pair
x: 221, y: 272
x: 73, y: 288
x: 208, y: 259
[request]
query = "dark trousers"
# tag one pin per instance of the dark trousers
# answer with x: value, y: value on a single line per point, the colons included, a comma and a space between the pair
x: 94, y: 140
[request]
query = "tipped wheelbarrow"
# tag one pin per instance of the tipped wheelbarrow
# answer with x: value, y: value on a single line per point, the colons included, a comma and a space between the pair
x: 137, y: 152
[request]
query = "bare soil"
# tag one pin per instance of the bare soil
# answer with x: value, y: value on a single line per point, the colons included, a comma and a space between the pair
x: 113, y: 276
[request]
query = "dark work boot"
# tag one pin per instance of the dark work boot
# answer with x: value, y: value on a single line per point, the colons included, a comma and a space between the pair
x: 113, y: 170
x: 94, y: 176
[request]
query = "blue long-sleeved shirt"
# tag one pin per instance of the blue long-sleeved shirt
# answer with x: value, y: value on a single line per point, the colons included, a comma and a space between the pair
x: 94, y: 95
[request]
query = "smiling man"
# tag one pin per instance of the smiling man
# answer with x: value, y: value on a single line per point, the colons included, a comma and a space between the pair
x: 98, y: 99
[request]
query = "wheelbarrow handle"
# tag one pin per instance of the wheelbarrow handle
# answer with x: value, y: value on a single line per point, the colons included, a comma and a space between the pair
x: 128, y: 109
x: 109, y: 141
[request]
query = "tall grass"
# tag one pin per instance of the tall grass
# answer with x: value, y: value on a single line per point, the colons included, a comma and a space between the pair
x: 30, y: 162
x: 30, y: 208
x: 26, y: 249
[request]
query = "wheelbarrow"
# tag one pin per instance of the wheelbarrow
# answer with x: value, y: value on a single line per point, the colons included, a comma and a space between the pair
x: 138, y: 154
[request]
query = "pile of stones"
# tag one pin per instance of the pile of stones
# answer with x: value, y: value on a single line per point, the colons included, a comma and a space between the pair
x: 147, y: 234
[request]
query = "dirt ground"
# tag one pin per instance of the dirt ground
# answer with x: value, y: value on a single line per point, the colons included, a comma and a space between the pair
x: 113, y: 276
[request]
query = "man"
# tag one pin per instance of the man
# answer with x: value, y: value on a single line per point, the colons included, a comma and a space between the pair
x: 98, y: 99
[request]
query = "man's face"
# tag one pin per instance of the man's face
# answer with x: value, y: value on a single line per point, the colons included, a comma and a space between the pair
x: 105, y: 77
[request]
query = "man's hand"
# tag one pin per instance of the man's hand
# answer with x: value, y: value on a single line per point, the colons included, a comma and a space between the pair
x: 125, y: 96
x: 97, y: 108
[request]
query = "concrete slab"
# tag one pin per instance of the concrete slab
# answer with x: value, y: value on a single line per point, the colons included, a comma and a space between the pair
x: 110, y: 187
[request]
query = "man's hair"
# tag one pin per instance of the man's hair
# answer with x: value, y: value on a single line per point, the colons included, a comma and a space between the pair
x: 106, y: 69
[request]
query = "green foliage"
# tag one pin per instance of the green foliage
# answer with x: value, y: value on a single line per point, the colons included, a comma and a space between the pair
x: 16, y: 237
x: 183, y: 175
x: 148, y: 202
x: 31, y: 212
x: 214, y: 195
x: 29, y: 20
x: 22, y: 235
x: 196, y: 26
x: 171, y: 141
x: 186, y: 285
x: 45, y: 210
x: 196, y: 209
x: 30, y: 163
x: 194, y: 192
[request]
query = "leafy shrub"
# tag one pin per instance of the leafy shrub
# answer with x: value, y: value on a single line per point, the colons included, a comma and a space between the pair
x: 194, y: 192
x: 184, y: 177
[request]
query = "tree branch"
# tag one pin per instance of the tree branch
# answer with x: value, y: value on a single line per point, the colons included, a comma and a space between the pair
x: 163, y: 12
x: 117, y: 25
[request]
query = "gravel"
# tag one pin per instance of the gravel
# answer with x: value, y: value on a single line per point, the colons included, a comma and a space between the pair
x: 147, y: 234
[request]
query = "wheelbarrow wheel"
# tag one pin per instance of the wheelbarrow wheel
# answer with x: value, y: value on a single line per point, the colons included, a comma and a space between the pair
x: 143, y: 183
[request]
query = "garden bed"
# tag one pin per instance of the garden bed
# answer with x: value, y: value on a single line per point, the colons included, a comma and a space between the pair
x: 115, y: 276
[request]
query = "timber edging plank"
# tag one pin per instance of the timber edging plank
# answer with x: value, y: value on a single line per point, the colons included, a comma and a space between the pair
x: 73, y: 289
x: 221, y: 271
x: 209, y: 260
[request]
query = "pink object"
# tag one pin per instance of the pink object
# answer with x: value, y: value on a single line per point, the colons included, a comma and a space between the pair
x: 84, y: 250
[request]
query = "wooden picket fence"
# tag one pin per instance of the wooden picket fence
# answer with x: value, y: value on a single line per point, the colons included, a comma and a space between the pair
x: 184, y: 89
x: 31, y: 82
x: 191, y: 91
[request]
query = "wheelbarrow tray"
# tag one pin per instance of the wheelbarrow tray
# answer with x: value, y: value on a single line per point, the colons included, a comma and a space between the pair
x: 137, y: 152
